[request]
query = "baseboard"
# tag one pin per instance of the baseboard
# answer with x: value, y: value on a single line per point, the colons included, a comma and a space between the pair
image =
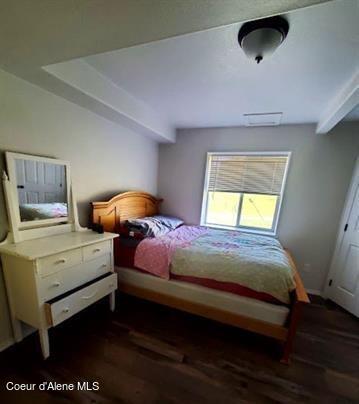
x: 6, y: 344
x: 314, y: 292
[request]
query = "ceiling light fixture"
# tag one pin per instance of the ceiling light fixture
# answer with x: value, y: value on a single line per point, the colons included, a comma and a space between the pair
x: 260, y: 38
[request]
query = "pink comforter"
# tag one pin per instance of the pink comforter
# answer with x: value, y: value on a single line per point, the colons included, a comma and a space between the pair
x: 154, y: 255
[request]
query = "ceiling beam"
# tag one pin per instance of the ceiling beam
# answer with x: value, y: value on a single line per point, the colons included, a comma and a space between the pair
x: 97, y: 93
x: 339, y: 107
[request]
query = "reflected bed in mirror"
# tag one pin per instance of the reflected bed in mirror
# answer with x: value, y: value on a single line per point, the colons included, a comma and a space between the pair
x: 41, y: 189
x: 38, y: 211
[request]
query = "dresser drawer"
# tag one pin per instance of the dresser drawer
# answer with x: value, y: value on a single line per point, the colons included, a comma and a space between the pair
x: 95, y: 250
x: 60, y: 310
x: 98, y: 266
x: 57, y: 262
x: 60, y: 282
x: 52, y: 286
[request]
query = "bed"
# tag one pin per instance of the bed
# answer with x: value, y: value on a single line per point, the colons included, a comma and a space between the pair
x: 193, y: 269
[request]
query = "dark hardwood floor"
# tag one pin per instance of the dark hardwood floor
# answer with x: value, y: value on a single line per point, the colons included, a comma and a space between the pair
x: 146, y: 353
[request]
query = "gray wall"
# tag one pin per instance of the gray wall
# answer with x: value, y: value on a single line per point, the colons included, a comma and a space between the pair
x: 318, y: 179
x: 105, y: 158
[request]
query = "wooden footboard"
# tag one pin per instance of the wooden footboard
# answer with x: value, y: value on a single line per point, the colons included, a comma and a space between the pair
x: 284, y: 334
x: 247, y: 323
x: 299, y: 299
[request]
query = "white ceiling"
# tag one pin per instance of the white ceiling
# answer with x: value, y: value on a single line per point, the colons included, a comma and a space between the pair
x: 204, y: 79
x: 42, y: 41
x: 40, y: 32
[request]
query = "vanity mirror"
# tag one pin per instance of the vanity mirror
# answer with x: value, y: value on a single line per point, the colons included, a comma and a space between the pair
x: 41, y: 187
x: 38, y: 192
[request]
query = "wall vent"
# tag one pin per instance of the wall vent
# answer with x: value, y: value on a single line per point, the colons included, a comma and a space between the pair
x: 263, y: 119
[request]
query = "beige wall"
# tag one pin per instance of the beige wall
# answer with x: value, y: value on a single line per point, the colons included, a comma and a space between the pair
x: 318, y: 179
x: 105, y: 158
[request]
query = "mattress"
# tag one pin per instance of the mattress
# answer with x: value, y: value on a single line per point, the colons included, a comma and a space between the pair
x: 240, y: 305
x: 252, y: 261
x: 124, y: 257
x: 230, y: 287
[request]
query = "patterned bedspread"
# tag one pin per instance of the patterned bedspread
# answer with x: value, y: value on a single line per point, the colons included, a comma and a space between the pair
x: 254, y: 261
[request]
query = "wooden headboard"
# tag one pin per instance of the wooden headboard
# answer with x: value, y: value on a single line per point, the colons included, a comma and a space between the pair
x: 128, y: 205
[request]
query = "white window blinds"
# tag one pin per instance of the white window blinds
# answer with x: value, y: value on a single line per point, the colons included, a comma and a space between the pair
x: 255, y: 174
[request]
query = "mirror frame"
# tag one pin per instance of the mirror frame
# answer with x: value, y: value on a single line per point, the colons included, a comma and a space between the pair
x: 11, y: 169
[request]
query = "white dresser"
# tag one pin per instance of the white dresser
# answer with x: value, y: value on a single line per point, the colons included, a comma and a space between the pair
x: 52, y: 278
x: 53, y: 267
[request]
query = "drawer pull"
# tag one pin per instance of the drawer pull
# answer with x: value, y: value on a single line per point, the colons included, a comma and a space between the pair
x: 66, y: 310
x: 97, y: 250
x: 56, y: 284
x: 61, y: 261
x: 89, y: 296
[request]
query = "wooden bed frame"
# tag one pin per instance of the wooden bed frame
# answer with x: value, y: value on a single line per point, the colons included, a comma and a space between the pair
x: 131, y: 205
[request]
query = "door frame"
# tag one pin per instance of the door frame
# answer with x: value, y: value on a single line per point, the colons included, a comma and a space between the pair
x: 340, y: 236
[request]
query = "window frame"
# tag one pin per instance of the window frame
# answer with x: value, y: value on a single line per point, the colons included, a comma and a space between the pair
x: 270, y: 232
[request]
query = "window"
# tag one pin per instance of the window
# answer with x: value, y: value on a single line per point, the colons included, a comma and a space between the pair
x: 244, y: 190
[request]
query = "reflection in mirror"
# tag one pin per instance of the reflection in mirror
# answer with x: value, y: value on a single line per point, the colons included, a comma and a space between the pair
x: 41, y: 189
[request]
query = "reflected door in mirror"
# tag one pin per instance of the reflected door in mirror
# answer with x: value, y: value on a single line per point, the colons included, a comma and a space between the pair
x: 41, y: 189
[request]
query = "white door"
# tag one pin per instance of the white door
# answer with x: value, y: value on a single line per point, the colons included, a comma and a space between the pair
x: 343, y: 282
x: 40, y: 182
